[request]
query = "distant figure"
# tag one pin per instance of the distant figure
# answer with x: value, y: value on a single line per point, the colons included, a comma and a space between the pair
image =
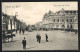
x: 23, y: 31
x: 24, y: 43
x: 39, y: 38
x: 46, y: 37
x: 20, y: 31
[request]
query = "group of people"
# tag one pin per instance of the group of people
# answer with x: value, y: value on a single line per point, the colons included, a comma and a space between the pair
x: 38, y: 37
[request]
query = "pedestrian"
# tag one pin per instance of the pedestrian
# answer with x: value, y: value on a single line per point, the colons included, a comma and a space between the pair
x: 23, y: 31
x: 46, y: 37
x: 39, y: 38
x: 20, y: 31
x: 24, y: 43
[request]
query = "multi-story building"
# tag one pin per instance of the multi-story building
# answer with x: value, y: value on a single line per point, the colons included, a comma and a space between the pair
x: 8, y: 23
x: 63, y: 19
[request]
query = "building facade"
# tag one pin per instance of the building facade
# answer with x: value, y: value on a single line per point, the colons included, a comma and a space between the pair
x: 8, y: 23
x: 63, y: 19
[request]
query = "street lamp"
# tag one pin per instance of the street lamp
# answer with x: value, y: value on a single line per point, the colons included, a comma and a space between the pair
x: 11, y: 21
x: 11, y: 25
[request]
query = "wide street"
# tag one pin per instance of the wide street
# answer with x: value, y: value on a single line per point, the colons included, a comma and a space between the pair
x: 58, y: 40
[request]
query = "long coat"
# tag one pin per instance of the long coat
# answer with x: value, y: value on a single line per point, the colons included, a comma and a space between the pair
x: 24, y: 42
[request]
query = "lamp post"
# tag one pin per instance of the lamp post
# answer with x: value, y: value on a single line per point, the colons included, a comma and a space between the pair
x: 11, y: 26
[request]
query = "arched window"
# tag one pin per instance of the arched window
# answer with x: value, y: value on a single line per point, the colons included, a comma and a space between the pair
x: 57, y: 20
x: 71, y: 26
x: 63, y: 26
x: 53, y: 20
x: 70, y: 20
x: 67, y: 20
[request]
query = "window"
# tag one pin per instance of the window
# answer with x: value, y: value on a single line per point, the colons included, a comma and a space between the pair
x: 67, y: 20
x: 54, y: 20
x: 67, y: 12
x: 74, y: 12
x: 62, y: 20
x: 70, y: 20
x: 71, y: 26
x: 57, y: 20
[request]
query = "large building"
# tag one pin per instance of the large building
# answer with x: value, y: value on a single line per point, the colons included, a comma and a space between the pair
x: 11, y: 23
x: 63, y: 19
x: 8, y: 22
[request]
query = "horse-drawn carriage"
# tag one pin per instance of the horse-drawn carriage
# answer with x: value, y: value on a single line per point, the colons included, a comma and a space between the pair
x: 6, y: 35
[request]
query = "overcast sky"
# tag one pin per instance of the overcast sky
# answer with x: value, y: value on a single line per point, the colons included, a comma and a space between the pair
x: 32, y: 12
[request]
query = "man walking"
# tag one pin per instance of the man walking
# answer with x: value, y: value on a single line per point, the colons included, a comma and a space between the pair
x: 20, y: 31
x: 24, y: 43
x: 46, y: 37
x: 39, y: 38
x: 23, y: 31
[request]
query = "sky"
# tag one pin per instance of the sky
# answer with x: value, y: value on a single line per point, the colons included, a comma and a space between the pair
x: 32, y: 12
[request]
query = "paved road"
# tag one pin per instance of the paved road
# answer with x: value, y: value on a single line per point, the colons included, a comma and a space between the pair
x: 58, y: 40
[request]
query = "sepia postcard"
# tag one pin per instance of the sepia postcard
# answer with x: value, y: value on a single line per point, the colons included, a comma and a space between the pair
x: 39, y: 26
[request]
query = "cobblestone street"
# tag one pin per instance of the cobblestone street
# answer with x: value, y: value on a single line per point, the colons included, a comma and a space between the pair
x: 58, y: 40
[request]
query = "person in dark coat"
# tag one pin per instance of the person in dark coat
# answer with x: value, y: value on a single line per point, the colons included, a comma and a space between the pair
x: 24, y: 43
x: 39, y: 38
x: 23, y: 31
x: 20, y: 31
x: 46, y: 37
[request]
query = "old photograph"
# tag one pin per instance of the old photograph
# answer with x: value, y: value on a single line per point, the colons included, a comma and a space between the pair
x: 39, y: 26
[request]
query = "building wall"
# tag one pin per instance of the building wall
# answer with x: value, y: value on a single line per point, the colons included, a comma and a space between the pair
x: 6, y: 23
x: 63, y: 19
